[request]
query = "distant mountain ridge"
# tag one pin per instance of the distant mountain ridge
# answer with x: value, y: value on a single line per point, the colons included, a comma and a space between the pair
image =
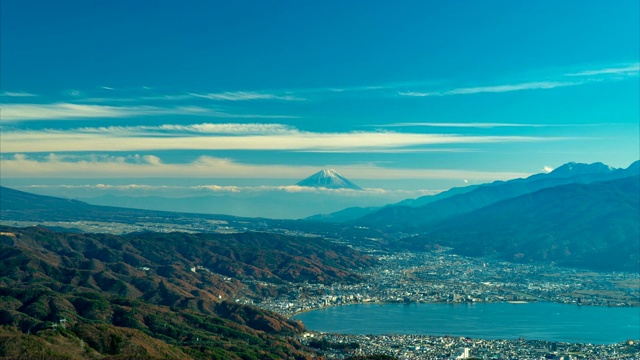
x: 24, y: 206
x: 565, y: 174
x: 412, y: 218
x: 574, y: 169
x: 594, y: 225
x: 329, y: 179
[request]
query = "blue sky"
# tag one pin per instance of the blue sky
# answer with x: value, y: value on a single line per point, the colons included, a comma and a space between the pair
x: 416, y: 95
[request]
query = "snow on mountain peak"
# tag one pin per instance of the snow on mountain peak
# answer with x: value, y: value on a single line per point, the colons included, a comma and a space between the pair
x: 573, y: 169
x: 330, y: 179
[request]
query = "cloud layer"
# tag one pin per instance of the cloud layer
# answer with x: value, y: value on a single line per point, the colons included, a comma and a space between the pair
x: 230, y: 136
x: 149, y: 166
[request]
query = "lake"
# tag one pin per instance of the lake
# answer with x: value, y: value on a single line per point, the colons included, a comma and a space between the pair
x: 533, y: 321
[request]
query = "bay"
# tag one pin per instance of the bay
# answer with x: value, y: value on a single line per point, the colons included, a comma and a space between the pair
x: 532, y: 321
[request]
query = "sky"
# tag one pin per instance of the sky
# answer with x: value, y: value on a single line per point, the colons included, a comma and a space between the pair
x: 395, y: 95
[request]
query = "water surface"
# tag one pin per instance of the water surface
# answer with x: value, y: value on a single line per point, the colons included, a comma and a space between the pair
x: 533, y: 321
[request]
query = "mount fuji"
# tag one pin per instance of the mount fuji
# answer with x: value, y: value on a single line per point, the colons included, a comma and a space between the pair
x: 329, y: 179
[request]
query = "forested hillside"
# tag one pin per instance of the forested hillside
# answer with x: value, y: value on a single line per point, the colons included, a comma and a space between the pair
x: 154, y: 295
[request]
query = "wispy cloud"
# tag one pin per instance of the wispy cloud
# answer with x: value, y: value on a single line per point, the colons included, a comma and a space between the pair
x: 460, y: 125
x: 180, y: 191
x: 494, y: 89
x: 396, y: 151
x: 17, y: 94
x: 632, y: 69
x: 611, y: 73
x: 68, y: 111
x: 481, y: 125
x: 514, y: 87
x: 356, y: 88
x: 411, y: 89
x: 232, y: 137
x: 73, y: 93
x: 72, y: 111
x: 149, y: 166
x: 247, y: 96
x: 189, y: 130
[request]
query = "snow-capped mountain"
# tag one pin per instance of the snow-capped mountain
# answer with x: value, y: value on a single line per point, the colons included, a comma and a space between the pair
x: 574, y: 169
x: 329, y: 179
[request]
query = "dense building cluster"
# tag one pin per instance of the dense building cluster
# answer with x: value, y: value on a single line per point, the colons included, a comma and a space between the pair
x: 446, y: 347
x: 445, y: 277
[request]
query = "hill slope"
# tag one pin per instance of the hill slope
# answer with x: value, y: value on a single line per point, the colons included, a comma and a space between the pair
x: 593, y: 225
x: 155, y: 295
x: 23, y: 206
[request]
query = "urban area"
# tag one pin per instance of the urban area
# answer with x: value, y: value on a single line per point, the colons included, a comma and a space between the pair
x: 442, y: 276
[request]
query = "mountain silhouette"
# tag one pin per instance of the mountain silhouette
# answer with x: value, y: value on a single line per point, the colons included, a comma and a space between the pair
x: 593, y: 226
x: 419, y: 218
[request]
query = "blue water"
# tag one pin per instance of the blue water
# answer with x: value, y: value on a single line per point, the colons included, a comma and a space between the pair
x: 533, y: 321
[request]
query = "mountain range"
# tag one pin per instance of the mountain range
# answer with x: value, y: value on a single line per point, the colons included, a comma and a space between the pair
x: 414, y: 214
x: 583, y: 215
x: 594, y: 225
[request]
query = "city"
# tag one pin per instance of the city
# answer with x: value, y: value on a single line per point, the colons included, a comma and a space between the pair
x: 442, y: 276
x: 405, y: 278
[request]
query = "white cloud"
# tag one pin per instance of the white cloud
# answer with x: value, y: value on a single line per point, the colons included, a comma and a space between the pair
x: 547, y: 169
x: 17, y: 94
x: 136, y: 166
x: 73, y: 93
x: 462, y: 125
x: 233, y: 128
x: 394, y: 151
x: 204, y: 128
x: 259, y: 137
x: 71, y: 111
x: 67, y: 111
x: 246, y: 95
x: 173, y: 191
x: 486, y: 125
x: 418, y: 94
x: 514, y: 87
x: 632, y: 69
x: 494, y: 89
